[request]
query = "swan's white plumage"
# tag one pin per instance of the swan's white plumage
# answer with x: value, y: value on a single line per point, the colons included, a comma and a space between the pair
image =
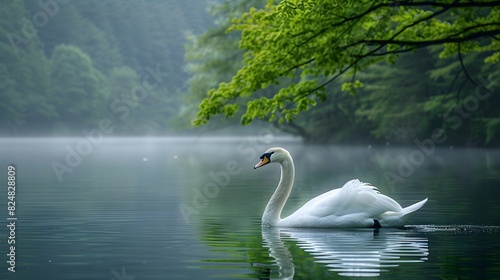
x: 356, y: 204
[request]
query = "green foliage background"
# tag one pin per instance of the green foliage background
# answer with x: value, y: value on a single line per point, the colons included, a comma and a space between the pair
x: 66, y: 65
x: 376, y: 72
x: 330, y: 71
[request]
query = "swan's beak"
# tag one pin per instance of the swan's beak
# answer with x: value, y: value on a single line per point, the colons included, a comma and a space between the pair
x: 265, y: 160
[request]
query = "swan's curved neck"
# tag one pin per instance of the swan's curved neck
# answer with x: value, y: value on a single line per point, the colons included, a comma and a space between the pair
x: 272, y: 213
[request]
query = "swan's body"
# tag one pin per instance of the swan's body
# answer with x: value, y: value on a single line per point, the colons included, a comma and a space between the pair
x: 356, y: 204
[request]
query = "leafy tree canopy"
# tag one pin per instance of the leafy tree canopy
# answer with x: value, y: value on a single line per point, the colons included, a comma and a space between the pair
x: 305, y: 45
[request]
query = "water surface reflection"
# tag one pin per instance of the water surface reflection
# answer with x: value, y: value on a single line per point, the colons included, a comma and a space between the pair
x: 355, y: 253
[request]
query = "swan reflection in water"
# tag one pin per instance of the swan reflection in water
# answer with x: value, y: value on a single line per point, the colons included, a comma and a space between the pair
x: 358, y: 253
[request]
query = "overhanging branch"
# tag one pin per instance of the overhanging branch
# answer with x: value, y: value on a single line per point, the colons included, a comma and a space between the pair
x: 425, y: 43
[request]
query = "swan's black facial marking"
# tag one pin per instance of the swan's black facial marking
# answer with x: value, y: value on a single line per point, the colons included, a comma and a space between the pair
x: 376, y: 224
x: 264, y: 159
x: 268, y: 155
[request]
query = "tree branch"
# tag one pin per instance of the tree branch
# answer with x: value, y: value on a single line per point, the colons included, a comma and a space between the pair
x: 456, y: 4
x: 452, y: 84
x: 405, y: 3
x: 474, y: 27
x: 463, y: 66
x: 385, y: 42
x: 460, y: 90
x: 424, y: 43
x: 297, y: 66
x: 465, y: 70
x: 327, y: 82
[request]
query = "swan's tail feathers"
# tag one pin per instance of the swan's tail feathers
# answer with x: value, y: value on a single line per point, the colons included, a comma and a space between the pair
x: 413, y: 207
x: 397, y: 219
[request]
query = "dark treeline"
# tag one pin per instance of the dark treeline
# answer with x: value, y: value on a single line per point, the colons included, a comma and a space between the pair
x: 67, y: 66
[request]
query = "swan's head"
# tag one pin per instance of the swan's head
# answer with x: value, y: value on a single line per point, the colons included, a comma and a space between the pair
x: 276, y: 154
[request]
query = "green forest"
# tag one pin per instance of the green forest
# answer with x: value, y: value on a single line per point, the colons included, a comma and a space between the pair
x: 65, y: 66
x: 381, y: 72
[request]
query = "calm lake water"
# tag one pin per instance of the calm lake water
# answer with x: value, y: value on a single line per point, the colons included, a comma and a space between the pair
x: 190, y: 209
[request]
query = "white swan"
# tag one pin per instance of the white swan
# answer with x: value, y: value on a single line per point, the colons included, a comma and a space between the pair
x: 356, y: 204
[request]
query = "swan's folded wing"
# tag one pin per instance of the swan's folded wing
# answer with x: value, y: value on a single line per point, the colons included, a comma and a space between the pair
x: 359, y: 197
x: 354, y: 197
